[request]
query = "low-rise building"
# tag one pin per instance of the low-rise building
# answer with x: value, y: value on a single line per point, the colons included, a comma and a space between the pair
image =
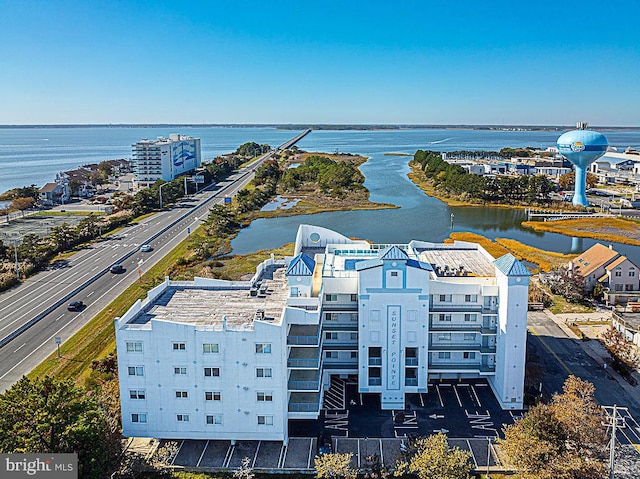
x: 604, y: 265
x: 237, y: 360
x: 53, y: 194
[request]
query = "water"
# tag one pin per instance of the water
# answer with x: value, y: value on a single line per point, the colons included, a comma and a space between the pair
x: 34, y: 156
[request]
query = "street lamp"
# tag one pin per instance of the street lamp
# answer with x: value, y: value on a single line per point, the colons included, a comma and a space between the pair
x: 15, y: 252
x: 160, y: 192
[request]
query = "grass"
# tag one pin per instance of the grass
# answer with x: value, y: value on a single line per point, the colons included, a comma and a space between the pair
x: 66, y: 213
x: 545, y: 260
x: 561, y: 305
x: 142, y: 217
x: 494, y: 249
x: 617, y: 230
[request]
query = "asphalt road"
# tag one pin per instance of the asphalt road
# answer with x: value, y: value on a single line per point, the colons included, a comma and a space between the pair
x: 48, y: 293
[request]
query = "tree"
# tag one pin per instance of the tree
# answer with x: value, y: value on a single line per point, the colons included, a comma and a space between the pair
x: 244, y: 471
x: 335, y: 465
x: 48, y: 415
x: 432, y: 458
x: 565, y: 439
x: 566, y: 282
x: 22, y: 204
x: 568, y: 180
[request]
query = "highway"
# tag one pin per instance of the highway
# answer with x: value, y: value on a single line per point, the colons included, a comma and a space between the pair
x: 33, y: 314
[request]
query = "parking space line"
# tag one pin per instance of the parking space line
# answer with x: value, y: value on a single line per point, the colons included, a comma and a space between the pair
x: 439, y: 396
x: 283, y: 456
x: 311, y: 453
x: 227, y: 457
x: 358, y: 453
x: 202, y: 455
x: 381, y: 453
x: 476, y: 396
x: 421, y: 400
x: 255, y: 456
x: 472, y: 454
x: 179, y: 449
x: 455, y: 390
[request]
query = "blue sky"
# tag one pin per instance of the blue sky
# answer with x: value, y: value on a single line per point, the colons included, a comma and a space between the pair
x: 233, y: 61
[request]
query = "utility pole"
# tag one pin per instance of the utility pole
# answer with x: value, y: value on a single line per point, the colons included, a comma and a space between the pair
x: 613, y: 417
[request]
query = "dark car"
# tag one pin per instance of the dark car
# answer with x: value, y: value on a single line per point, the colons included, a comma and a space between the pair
x: 117, y: 268
x: 75, y: 306
x: 324, y: 444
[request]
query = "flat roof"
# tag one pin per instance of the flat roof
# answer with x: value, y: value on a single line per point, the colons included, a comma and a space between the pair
x: 202, y: 306
x: 448, y: 261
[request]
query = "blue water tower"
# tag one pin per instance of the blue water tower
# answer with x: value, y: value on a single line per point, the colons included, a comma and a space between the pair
x: 582, y: 147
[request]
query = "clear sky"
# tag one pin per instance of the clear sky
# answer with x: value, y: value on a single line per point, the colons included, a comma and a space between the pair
x: 233, y: 61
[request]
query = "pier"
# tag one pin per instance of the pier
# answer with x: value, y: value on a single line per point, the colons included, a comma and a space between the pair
x: 562, y: 215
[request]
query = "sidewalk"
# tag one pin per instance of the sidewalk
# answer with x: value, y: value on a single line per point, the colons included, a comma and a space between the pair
x: 598, y: 353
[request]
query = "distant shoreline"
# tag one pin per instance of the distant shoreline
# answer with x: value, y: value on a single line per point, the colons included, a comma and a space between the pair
x: 514, y: 128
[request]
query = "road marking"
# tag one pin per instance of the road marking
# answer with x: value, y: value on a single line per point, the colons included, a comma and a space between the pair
x: 455, y: 390
x: 179, y: 449
x: 60, y: 317
x: 255, y: 456
x: 421, y: 400
x: 544, y: 343
x: 90, y: 293
x: 439, y: 396
x: 23, y: 345
x: 202, y: 455
x: 476, y: 396
x: 472, y: 454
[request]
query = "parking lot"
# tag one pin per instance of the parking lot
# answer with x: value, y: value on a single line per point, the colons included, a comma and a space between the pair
x: 466, y: 411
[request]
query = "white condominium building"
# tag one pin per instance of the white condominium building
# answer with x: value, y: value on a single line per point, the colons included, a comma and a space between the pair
x: 213, y: 359
x: 164, y: 158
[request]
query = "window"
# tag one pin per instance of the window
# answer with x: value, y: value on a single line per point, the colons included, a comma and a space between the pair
x: 182, y: 394
x: 210, y: 348
x: 632, y: 273
x: 394, y: 273
x: 180, y: 370
x: 330, y: 335
x: 354, y: 298
x: 331, y: 297
x: 136, y: 370
x: 469, y: 336
x: 375, y: 376
x: 353, y: 336
x: 353, y: 316
x: 179, y: 346
x: 209, y: 372
x: 470, y: 298
x: 445, y: 298
x: 263, y: 372
x: 444, y: 317
x: 264, y: 396
x: 134, y: 347
x: 139, y: 417
x: 444, y: 337
x: 212, y: 396
x: 618, y: 273
x: 331, y: 316
x: 331, y: 354
x: 265, y: 420
x: 469, y: 355
x: 137, y: 394
x: 182, y: 417
x: 470, y: 317
x: 354, y: 355
x: 444, y: 355
x: 215, y: 419
x: 263, y: 348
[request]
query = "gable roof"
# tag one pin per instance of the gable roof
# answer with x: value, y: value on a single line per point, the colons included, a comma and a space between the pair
x: 393, y: 252
x: 301, y: 265
x: 595, y: 257
x: 510, y: 266
x: 49, y: 187
x: 616, y: 262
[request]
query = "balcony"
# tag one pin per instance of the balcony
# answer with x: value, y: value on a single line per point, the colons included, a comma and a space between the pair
x: 464, y: 307
x: 304, y: 335
x: 304, y: 380
x: 375, y: 381
x: 410, y: 381
x: 304, y: 402
x: 468, y: 326
x: 375, y: 361
x: 485, y: 349
x: 303, y: 363
x: 410, y: 361
x: 338, y: 307
x: 461, y: 367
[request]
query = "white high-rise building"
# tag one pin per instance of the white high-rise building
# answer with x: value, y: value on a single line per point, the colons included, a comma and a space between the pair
x: 213, y: 359
x: 164, y: 158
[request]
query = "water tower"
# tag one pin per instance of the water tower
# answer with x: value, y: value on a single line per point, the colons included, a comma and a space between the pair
x: 582, y: 147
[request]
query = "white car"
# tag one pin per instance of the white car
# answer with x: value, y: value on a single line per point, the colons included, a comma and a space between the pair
x: 145, y: 248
